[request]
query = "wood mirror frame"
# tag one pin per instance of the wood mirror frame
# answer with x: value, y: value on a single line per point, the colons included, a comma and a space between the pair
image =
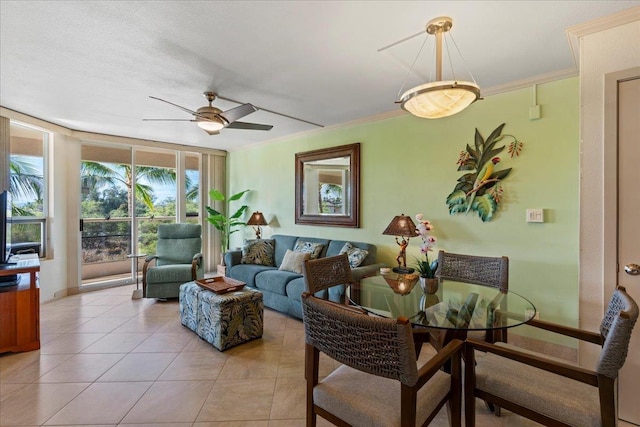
x: 343, y: 163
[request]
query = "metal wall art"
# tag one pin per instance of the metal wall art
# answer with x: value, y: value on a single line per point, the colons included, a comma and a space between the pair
x: 481, y: 190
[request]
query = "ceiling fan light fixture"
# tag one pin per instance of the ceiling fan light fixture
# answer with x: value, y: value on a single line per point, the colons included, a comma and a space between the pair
x: 439, y: 98
x: 212, y: 125
x: 435, y: 100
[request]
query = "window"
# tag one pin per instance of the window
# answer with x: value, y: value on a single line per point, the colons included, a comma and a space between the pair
x: 126, y: 193
x: 27, y: 197
x: 192, y: 187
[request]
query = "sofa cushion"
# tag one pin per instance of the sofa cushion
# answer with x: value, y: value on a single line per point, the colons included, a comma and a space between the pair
x: 283, y: 243
x: 335, y: 246
x: 275, y: 280
x: 294, y: 261
x: 258, y: 251
x: 314, y: 249
x: 356, y: 255
x: 247, y: 272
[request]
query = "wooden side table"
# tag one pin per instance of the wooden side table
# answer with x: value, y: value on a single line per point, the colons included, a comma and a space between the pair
x: 20, y: 306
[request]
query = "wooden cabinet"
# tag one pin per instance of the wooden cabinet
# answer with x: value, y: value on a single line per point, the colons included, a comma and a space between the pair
x: 20, y: 309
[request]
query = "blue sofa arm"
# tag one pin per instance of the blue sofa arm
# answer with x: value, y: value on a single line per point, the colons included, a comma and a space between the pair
x: 359, y: 273
x: 336, y: 293
x: 232, y: 258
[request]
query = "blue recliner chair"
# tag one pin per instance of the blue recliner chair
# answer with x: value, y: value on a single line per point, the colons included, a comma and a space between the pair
x: 178, y: 260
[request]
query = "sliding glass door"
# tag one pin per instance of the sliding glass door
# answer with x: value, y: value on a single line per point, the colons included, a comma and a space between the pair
x: 126, y: 193
x: 105, y: 212
x: 155, y: 196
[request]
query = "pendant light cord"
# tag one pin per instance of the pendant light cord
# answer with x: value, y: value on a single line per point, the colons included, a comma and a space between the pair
x: 411, y: 69
x: 463, y: 60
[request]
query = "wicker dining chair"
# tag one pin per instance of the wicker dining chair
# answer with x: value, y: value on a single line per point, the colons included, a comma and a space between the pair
x: 379, y: 383
x: 546, y: 389
x: 321, y: 274
x: 479, y: 270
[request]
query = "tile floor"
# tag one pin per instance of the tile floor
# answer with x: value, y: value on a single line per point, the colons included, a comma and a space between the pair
x: 108, y: 360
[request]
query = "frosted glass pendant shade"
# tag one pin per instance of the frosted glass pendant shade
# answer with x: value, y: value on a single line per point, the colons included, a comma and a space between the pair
x: 439, y: 99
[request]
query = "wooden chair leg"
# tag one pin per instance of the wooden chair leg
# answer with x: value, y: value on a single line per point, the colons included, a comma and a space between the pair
x: 469, y: 385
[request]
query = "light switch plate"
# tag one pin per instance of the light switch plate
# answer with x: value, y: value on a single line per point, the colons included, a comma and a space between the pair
x: 535, y: 215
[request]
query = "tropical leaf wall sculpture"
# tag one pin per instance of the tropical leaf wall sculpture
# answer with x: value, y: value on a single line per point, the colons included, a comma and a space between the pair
x: 480, y: 188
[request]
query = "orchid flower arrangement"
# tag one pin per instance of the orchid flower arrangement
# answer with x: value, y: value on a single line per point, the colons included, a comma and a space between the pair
x: 425, y: 267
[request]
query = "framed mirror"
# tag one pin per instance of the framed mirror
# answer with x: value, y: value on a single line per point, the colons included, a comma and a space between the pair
x: 328, y: 186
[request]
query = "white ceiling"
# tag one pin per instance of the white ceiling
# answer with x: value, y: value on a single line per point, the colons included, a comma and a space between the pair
x: 92, y: 65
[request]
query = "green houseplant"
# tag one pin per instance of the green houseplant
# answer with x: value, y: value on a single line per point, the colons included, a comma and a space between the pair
x: 226, y: 224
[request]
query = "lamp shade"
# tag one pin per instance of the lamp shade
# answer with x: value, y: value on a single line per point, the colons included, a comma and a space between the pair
x: 401, y: 225
x: 439, y: 99
x: 257, y: 219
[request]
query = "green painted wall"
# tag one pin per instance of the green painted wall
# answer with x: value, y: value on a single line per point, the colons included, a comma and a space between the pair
x: 408, y: 165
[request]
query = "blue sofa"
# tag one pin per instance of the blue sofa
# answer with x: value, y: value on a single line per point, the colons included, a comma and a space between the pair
x: 282, y: 289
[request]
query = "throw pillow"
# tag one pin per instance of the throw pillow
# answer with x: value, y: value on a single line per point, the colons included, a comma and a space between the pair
x: 258, y: 251
x: 294, y: 261
x: 314, y: 249
x: 356, y: 255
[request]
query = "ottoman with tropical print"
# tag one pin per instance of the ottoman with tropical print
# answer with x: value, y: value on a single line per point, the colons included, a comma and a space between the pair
x: 222, y: 320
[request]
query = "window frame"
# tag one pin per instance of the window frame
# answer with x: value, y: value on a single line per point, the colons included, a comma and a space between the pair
x: 45, y: 223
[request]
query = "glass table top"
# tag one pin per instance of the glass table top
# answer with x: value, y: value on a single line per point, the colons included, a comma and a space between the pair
x: 451, y: 305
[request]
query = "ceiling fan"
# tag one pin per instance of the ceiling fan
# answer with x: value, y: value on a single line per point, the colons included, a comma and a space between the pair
x: 212, y: 120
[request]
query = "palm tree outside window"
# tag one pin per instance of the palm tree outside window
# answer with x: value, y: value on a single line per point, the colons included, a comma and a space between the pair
x: 27, y: 197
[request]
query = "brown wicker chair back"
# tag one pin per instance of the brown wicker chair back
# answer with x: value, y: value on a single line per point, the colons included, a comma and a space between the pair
x: 481, y: 270
x: 374, y: 350
x: 323, y: 273
x: 520, y: 380
x: 616, y: 330
x: 376, y: 345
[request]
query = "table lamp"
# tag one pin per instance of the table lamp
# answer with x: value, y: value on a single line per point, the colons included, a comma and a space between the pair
x: 257, y: 219
x: 402, y: 227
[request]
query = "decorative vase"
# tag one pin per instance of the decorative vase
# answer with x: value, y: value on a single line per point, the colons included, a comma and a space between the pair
x: 221, y: 268
x: 428, y: 300
x: 429, y: 285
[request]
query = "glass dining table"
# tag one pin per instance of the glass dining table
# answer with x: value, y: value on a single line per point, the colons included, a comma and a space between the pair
x: 450, y: 307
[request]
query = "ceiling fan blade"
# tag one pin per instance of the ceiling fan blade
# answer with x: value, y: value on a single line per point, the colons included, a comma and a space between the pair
x: 249, y: 126
x: 274, y: 112
x: 176, y: 105
x: 238, y: 112
x: 168, y: 120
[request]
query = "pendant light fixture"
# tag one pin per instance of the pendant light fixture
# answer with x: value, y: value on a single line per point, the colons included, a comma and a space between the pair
x: 439, y: 98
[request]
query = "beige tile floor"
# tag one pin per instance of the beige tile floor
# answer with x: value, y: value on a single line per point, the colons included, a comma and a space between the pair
x: 108, y: 360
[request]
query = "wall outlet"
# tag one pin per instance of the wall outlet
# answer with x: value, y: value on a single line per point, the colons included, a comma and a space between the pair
x: 535, y: 215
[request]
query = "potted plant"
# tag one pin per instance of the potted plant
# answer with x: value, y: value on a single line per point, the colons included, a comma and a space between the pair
x: 226, y: 224
x: 426, y: 269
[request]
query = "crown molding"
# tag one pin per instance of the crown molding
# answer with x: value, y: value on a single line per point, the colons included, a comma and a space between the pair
x: 605, y: 23
x: 576, y: 32
x: 46, y: 126
x: 494, y: 90
x: 43, y: 125
x: 521, y: 84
